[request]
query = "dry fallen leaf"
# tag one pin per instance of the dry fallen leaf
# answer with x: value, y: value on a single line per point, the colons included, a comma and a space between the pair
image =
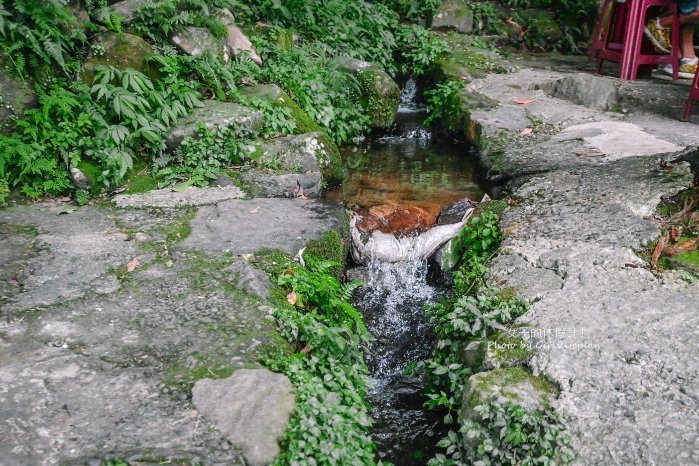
x: 255, y: 210
x: 301, y: 197
x: 524, y: 101
x: 131, y: 266
x: 657, y: 251
x: 526, y: 131
x: 64, y: 199
x: 674, y: 234
x: 687, y: 246
x: 291, y: 297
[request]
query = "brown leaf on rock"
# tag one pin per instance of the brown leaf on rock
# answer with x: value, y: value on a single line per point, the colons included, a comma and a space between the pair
x: 524, y: 101
x: 131, y: 266
x: 526, y: 131
x: 292, y: 298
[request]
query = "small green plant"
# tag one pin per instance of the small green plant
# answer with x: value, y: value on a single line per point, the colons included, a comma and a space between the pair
x: 316, y: 288
x: 442, y: 102
x: 198, y: 160
x: 332, y: 421
x: 462, y: 325
x: 479, y: 239
x: 505, y: 433
x: 420, y: 49
x: 493, y: 432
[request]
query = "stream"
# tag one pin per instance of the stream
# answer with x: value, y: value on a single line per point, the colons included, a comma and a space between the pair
x: 406, y: 167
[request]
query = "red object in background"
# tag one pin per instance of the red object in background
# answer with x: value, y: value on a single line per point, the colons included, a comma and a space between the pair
x: 618, y: 37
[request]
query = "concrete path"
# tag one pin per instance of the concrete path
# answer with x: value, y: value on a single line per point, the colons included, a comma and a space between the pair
x: 620, y: 342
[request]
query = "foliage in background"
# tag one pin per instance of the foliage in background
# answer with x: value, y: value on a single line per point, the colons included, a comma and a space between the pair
x: 359, y: 28
x: 37, y: 34
x: 419, y: 49
x: 104, y: 124
x: 332, y: 421
x: 564, y: 25
x: 125, y: 117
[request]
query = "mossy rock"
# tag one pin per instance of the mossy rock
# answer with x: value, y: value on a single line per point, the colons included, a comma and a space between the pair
x: 330, y: 247
x: 284, y: 39
x: 121, y: 51
x: 454, y: 14
x: 272, y: 93
x: 465, y: 61
x: 380, y: 93
x: 16, y: 94
x: 504, y: 349
x: 543, y: 24
x: 312, y: 159
x: 331, y: 167
x: 514, y: 384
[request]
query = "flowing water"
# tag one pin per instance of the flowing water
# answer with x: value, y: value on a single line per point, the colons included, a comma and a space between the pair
x: 407, y: 167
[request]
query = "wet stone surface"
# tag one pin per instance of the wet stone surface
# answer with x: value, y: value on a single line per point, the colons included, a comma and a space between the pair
x: 97, y: 361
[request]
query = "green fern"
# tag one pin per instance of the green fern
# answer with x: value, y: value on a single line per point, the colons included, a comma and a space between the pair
x: 40, y: 33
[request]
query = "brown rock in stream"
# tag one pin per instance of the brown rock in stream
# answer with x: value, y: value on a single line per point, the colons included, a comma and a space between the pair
x: 397, y: 220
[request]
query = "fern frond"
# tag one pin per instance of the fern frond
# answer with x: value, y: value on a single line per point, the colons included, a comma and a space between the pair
x: 354, y: 315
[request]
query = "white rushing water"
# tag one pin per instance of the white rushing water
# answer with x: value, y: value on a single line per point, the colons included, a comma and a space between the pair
x: 392, y: 301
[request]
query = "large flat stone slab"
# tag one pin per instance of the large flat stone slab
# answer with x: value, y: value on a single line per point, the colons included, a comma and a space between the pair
x: 251, y: 408
x: 245, y: 226
x: 169, y: 198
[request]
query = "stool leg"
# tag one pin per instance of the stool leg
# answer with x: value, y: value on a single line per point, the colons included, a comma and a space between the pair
x: 675, y: 42
x: 687, y: 109
x: 693, y: 94
x: 632, y: 41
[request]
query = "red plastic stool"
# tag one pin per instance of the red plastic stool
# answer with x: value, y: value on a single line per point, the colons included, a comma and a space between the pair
x: 693, y: 95
x: 618, y: 36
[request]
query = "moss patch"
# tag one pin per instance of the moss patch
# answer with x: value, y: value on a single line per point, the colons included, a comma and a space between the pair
x: 272, y: 261
x: 304, y: 123
x: 139, y: 179
x: 465, y: 60
x: 380, y: 97
x: 329, y: 248
x: 232, y: 343
x: 508, y: 349
x: 496, y: 206
x: 510, y: 376
x: 332, y: 170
